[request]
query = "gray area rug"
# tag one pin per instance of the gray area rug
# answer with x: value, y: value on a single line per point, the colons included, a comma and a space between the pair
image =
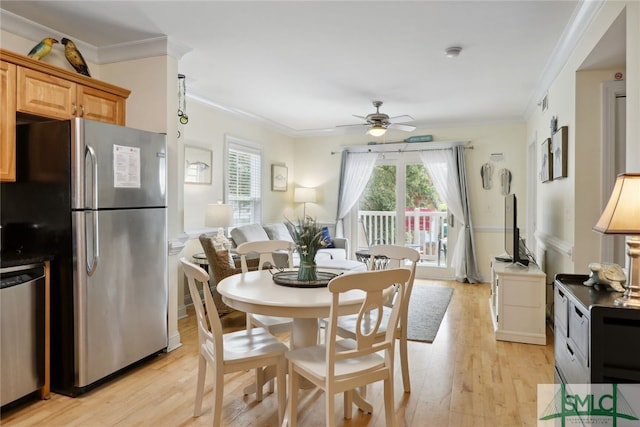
x: 426, y: 310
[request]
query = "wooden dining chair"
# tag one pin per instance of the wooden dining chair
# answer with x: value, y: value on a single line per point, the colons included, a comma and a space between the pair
x: 342, y: 365
x: 398, y: 256
x: 265, y: 249
x: 230, y: 352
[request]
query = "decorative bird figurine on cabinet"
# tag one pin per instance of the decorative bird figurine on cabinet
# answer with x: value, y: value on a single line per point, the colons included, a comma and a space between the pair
x: 74, y: 57
x: 42, y: 49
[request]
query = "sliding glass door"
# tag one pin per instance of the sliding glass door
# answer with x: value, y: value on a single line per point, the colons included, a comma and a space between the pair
x: 400, y: 206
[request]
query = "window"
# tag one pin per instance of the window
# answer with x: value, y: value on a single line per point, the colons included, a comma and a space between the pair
x: 243, y: 179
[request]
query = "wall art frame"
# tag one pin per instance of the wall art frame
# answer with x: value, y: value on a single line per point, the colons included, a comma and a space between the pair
x: 559, y: 149
x: 279, y: 177
x: 197, y: 165
x: 546, y: 161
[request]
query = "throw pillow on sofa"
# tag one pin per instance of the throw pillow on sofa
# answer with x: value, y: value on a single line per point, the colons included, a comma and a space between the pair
x: 278, y: 231
x: 248, y: 233
x: 327, y: 237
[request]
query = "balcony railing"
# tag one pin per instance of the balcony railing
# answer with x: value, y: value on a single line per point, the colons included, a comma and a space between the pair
x: 423, y: 229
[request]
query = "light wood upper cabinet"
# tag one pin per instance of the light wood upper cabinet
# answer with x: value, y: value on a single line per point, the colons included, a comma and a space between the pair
x: 8, y: 125
x: 100, y: 105
x: 41, y: 89
x: 45, y: 95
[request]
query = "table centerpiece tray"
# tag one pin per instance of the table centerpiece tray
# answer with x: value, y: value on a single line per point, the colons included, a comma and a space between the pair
x: 290, y: 279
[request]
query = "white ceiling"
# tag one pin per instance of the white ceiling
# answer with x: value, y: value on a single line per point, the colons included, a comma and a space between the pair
x: 308, y: 66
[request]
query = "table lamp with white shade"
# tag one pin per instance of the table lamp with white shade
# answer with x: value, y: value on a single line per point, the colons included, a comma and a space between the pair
x: 219, y: 215
x: 304, y: 195
x: 622, y: 216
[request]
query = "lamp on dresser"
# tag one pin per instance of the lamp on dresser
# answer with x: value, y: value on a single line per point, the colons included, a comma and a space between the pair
x: 219, y: 215
x: 622, y: 216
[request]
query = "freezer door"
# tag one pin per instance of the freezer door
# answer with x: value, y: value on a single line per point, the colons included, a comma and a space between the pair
x: 120, y: 289
x: 120, y: 168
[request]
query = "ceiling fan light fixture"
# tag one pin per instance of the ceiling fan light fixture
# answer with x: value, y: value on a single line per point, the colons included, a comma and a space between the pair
x: 377, y: 130
x: 453, y: 51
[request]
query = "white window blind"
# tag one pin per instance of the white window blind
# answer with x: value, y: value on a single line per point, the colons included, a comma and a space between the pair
x: 244, y: 186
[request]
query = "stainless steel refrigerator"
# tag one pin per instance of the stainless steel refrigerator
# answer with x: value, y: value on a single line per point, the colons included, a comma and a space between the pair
x: 97, y: 196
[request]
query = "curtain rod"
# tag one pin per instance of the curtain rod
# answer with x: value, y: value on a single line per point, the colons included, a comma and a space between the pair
x: 388, y: 149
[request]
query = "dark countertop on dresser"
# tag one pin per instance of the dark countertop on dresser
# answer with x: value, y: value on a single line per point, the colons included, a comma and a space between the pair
x: 13, y: 258
x: 587, y: 295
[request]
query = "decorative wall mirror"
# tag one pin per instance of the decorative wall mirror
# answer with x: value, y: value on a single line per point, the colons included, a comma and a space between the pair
x: 197, y: 165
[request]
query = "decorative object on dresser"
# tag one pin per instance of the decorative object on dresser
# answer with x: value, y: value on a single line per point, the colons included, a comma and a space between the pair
x: 606, y: 274
x: 219, y: 215
x: 622, y: 216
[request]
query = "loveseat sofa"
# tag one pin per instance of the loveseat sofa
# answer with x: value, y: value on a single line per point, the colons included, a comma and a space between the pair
x: 279, y: 231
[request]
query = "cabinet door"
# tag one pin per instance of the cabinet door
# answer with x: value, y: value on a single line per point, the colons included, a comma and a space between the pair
x: 8, y: 122
x: 44, y: 95
x: 101, y: 106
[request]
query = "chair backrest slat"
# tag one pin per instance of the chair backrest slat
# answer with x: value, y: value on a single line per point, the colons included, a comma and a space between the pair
x: 265, y: 249
x: 398, y: 257
x: 378, y: 285
x: 209, y: 325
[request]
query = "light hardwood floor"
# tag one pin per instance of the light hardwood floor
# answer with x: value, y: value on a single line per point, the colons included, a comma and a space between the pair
x: 464, y: 378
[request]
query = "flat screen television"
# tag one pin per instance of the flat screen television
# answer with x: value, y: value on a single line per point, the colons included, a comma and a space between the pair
x: 512, y: 244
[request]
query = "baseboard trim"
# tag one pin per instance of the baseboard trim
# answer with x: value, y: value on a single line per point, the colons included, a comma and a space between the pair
x: 174, y: 342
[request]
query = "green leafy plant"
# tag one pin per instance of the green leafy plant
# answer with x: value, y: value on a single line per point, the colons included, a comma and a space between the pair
x: 307, y: 235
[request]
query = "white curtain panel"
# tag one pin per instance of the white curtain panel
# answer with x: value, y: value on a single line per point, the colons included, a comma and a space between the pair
x: 356, y: 171
x: 441, y: 165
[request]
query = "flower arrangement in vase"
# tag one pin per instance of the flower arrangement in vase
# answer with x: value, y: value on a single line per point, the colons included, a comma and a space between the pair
x: 308, y: 238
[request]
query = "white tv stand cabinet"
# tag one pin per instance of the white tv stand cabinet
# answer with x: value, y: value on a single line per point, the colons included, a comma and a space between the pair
x: 517, y: 302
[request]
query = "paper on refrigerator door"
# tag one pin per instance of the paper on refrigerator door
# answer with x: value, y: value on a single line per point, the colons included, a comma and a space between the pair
x: 126, y: 166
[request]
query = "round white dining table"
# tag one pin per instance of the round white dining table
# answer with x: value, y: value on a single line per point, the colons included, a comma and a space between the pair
x: 256, y: 292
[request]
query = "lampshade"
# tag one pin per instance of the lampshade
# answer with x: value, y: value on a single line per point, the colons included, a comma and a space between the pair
x: 622, y: 213
x: 377, y: 130
x: 304, y: 195
x: 218, y: 215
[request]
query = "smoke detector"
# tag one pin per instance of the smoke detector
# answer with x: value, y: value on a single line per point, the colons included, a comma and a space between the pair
x: 453, y: 51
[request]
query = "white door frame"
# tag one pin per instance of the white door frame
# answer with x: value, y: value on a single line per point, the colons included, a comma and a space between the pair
x: 611, y: 91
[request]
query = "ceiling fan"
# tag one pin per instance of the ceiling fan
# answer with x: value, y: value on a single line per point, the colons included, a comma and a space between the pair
x: 379, y: 122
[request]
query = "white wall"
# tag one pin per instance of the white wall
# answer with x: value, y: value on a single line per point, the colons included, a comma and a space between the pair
x: 568, y: 208
x: 207, y: 128
x: 317, y: 164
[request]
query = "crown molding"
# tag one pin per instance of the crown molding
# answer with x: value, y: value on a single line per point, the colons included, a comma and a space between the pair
x: 156, y: 46
x: 582, y: 18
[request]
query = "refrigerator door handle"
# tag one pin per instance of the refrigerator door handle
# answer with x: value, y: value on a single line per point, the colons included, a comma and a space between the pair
x: 91, y: 267
x: 94, y: 177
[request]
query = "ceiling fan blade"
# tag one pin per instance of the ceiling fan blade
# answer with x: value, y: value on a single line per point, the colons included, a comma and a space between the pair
x: 358, y: 124
x: 359, y: 117
x: 400, y: 119
x: 406, y: 128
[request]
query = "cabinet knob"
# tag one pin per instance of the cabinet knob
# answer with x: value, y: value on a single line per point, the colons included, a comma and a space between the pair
x: 75, y: 108
x: 81, y: 110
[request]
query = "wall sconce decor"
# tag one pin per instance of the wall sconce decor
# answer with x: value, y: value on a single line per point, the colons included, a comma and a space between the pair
x: 182, y: 100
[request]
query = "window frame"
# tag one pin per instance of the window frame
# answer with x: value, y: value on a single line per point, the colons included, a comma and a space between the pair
x: 253, y: 149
